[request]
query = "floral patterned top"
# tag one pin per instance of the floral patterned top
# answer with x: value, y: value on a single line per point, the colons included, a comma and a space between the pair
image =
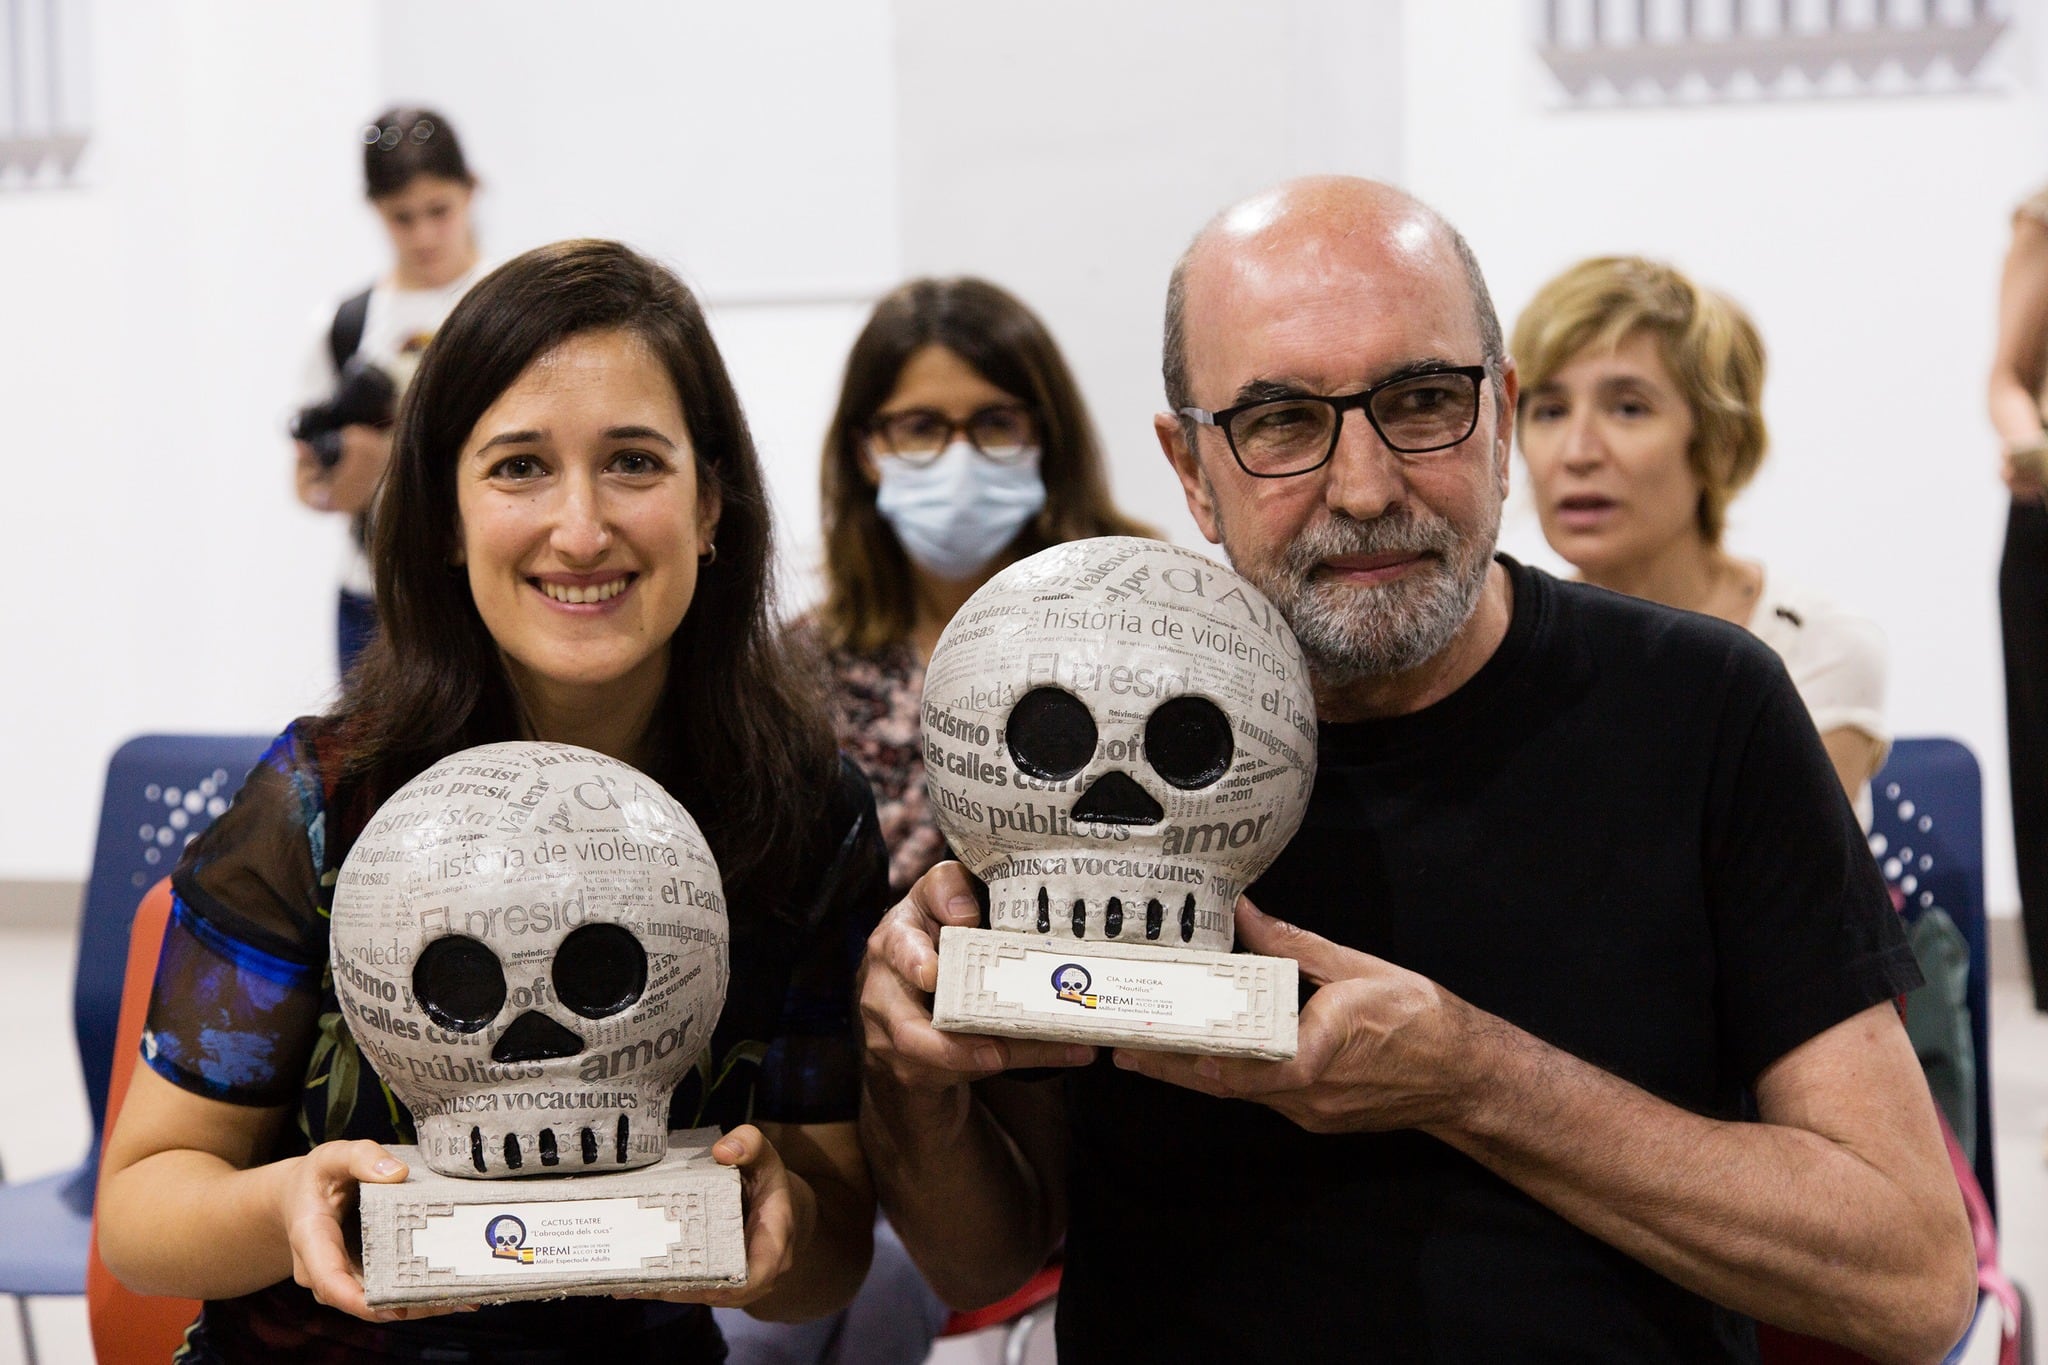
x: 874, y: 700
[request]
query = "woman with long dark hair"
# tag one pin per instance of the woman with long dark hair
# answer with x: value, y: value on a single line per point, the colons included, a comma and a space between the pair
x: 959, y: 446
x: 573, y: 545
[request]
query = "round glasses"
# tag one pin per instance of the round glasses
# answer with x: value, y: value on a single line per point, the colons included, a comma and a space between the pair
x: 1413, y: 413
x: 1003, y: 432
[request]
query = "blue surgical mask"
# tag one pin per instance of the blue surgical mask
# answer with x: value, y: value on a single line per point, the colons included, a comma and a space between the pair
x: 958, y: 511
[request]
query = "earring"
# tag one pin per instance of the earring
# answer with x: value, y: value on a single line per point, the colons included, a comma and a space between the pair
x: 709, y: 557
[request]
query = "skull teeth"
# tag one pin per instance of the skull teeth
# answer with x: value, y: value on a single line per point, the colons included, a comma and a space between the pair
x: 547, y: 1146
x: 1113, y: 917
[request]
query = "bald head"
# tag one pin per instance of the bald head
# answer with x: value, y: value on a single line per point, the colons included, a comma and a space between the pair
x: 1319, y: 223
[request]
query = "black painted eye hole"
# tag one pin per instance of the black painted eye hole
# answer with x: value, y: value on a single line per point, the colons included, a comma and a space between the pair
x: 1050, y: 734
x: 1187, y: 742
x: 600, y: 969
x: 458, y: 982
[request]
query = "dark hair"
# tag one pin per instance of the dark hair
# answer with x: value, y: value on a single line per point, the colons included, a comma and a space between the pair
x: 738, y: 736
x: 868, y: 602
x: 400, y: 145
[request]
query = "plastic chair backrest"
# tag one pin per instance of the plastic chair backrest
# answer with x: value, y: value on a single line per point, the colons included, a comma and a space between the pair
x: 126, y: 1326
x: 161, y: 791
x: 1928, y: 836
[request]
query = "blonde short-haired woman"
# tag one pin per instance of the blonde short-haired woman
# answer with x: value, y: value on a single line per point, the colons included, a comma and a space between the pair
x: 1641, y: 419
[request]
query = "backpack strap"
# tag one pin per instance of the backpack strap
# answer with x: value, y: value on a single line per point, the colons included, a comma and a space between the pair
x: 345, y: 337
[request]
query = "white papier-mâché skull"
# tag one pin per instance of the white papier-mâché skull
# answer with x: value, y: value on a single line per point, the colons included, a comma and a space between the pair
x: 1118, y: 736
x: 530, y: 946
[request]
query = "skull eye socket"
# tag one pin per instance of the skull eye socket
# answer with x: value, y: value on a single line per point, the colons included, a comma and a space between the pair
x: 600, y: 969
x: 459, y: 983
x: 1050, y: 734
x: 1187, y: 742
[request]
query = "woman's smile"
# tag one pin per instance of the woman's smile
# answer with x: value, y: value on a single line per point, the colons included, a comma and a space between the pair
x: 583, y: 594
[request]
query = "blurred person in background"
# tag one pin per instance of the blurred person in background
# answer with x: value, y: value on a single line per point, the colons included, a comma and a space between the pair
x: 959, y: 446
x: 1640, y: 419
x: 366, y: 349
x: 2018, y: 371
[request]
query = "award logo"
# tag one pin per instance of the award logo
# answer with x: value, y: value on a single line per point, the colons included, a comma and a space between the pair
x: 1070, y: 981
x: 507, y: 1237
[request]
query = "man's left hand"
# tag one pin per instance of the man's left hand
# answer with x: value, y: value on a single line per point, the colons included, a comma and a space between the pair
x: 1380, y: 1047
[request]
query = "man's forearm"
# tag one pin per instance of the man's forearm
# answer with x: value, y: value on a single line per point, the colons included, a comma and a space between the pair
x: 1776, y: 1220
x: 973, y: 1209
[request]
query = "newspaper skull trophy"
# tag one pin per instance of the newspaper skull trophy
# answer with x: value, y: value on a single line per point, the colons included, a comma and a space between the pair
x: 1119, y: 736
x: 529, y: 943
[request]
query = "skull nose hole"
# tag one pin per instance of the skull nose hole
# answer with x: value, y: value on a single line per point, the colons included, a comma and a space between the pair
x: 623, y: 1130
x: 534, y: 1037
x: 548, y: 1155
x: 1115, y: 799
x: 589, y: 1144
x: 476, y: 1149
x: 1187, y: 918
x: 1080, y: 918
x: 1155, y: 915
x: 1044, y: 912
x: 513, y: 1160
x: 1113, y: 917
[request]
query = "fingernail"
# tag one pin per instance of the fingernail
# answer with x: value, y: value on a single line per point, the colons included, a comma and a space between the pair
x: 989, y: 1058
x: 1123, y: 1059
x: 1080, y: 1054
x: 963, y: 905
x: 387, y: 1166
x: 1247, y: 908
x: 1208, y: 1070
x: 728, y: 1148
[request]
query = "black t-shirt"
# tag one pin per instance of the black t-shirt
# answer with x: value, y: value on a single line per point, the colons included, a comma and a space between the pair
x: 1623, y: 836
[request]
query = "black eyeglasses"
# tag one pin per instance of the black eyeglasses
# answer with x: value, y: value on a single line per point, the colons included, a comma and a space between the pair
x: 1413, y: 413
x: 1003, y: 432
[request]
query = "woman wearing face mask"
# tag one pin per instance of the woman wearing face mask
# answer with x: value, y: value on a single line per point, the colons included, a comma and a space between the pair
x: 960, y: 445
x: 418, y: 181
x: 1641, y: 418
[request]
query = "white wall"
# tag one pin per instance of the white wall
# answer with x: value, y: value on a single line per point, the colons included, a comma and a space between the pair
x: 795, y: 159
x: 151, y: 322
x: 792, y: 159
x: 752, y: 147
x: 1069, y: 149
x: 1865, y: 236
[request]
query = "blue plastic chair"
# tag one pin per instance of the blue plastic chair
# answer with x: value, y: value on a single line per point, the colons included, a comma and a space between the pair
x: 1928, y: 836
x: 161, y: 791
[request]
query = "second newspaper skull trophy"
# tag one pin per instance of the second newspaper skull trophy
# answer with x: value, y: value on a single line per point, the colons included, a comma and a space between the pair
x: 1119, y: 736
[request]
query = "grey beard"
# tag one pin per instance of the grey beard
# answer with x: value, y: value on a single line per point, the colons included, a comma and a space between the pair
x: 1351, y: 633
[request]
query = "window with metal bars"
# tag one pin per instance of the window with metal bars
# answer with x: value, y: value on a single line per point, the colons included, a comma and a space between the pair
x: 44, y: 122
x: 1613, y: 52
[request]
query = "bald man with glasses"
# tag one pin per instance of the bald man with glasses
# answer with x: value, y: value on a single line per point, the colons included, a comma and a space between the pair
x: 1602, y: 1060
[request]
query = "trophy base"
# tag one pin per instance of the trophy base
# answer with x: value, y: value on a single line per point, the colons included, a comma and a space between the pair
x: 1143, y: 995
x: 437, y: 1239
